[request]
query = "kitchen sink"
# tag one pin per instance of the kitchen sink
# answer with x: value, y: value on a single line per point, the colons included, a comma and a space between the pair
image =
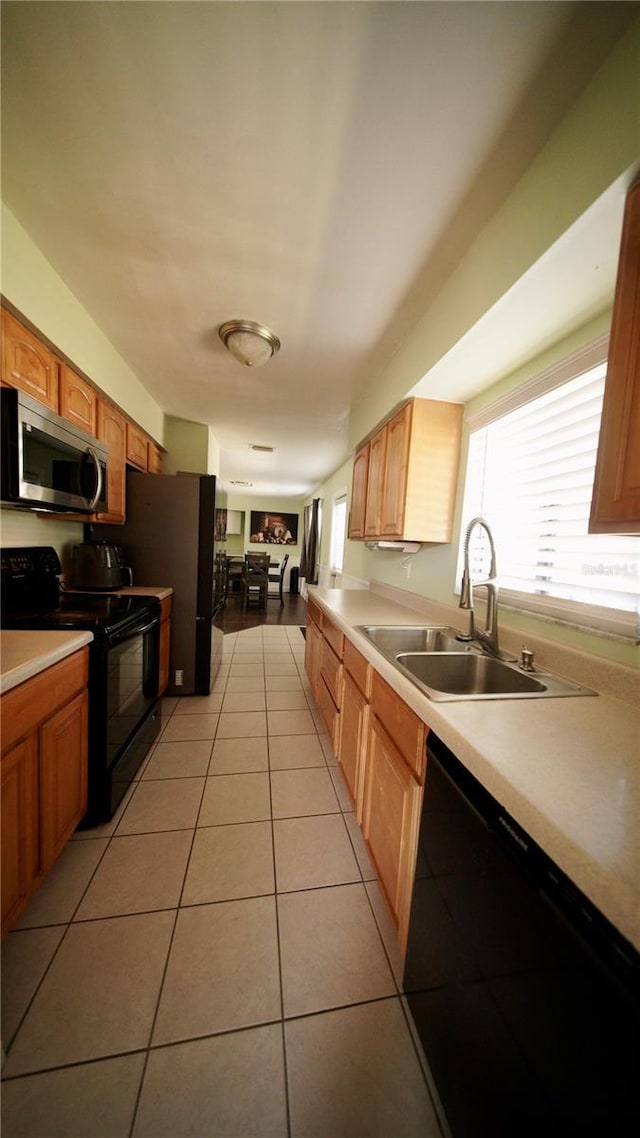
x: 447, y: 669
x: 391, y: 639
x: 466, y: 674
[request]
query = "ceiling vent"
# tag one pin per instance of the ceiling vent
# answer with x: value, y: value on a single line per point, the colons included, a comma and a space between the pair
x: 239, y: 482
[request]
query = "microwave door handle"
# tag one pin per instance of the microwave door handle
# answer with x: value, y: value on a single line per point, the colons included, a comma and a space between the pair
x: 96, y: 496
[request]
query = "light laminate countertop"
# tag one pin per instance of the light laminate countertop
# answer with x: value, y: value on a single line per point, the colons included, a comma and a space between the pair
x: 24, y: 654
x: 567, y: 769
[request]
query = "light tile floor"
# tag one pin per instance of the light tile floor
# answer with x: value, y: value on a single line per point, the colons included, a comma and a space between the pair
x: 218, y: 959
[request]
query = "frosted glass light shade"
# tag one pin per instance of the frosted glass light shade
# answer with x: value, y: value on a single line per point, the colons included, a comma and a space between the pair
x: 251, y: 343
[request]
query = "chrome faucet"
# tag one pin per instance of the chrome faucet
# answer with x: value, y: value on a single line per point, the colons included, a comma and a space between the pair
x: 489, y: 637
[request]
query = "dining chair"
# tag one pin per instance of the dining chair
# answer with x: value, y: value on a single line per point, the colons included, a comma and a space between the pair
x: 255, y: 582
x: 277, y: 578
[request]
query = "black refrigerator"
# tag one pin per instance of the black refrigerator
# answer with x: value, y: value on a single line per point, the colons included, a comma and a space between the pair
x: 175, y: 535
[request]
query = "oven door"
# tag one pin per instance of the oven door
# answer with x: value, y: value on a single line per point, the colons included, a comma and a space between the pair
x: 132, y: 681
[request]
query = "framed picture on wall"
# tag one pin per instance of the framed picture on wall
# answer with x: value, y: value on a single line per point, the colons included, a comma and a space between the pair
x: 273, y: 528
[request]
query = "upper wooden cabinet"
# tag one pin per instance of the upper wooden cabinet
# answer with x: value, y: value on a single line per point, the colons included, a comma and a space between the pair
x: 112, y: 430
x: 412, y: 470
x: 136, y: 447
x: 154, y: 459
x: 359, y: 492
x: 375, y: 484
x: 28, y: 364
x: 31, y: 366
x: 78, y: 400
x: 615, y: 506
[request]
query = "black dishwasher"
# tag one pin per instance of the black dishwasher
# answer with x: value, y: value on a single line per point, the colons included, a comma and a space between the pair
x: 526, y: 1000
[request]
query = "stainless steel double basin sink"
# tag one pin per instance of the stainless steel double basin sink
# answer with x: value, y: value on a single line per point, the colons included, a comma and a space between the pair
x: 446, y: 668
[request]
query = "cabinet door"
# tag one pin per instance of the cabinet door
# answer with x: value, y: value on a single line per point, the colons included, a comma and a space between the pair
x: 20, y: 855
x: 154, y: 459
x: 112, y: 431
x: 136, y: 447
x: 375, y: 484
x: 313, y: 656
x: 359, y: 492
x: 615, y: 506
x: 396, y: 471
x: 27, y: 364
x: 63, y: 776
x: 78, y: 401
x: 390, y: 822
x: 352, y: 746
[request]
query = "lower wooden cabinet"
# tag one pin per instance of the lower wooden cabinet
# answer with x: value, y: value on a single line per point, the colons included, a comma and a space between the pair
x: 313, y: 656
x: 352, y: 749
x: 380, y: 745
x: 165, y: 644
x: 20, y: 840
x: 391, y: 821
x: 63, y: 777
x: 43, y: 775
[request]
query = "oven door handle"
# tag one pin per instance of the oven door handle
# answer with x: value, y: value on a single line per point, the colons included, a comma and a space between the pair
x: 137, y: 630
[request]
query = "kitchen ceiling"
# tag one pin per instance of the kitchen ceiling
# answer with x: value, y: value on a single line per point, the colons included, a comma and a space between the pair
x: 299, y: 164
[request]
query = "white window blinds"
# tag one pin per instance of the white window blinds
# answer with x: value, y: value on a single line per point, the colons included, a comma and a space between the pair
x: 530, y: 475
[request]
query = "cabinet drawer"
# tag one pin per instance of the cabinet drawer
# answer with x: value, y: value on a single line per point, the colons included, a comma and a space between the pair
x: 329, y: 713
x: 28, y: 705
x: 314, y: 613
x: 401, y: 723
x: 332, y: 633
x: 358, y: 668
x: 331, y: 672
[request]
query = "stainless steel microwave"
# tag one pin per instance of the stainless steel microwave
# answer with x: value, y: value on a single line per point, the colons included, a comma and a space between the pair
x: 48, y: 463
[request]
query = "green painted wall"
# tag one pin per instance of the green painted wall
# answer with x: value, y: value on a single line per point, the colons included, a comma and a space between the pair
x: 32, y: 284
x: 270, y: 503
x: 597, y: 141
x: 595, y: 144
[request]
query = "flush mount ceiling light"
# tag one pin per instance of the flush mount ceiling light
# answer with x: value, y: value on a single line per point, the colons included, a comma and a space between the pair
x: 252, y: 344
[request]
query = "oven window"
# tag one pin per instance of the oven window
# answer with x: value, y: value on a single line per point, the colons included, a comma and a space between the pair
x: 132, y: 687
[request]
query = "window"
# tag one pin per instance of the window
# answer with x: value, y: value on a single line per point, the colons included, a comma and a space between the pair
x: 530, y: 475
x: 338, y: 531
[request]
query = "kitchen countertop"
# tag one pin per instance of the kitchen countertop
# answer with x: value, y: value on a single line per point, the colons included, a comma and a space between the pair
x: 26, y: 653
x: 159, y: 591
x: 567, y: 769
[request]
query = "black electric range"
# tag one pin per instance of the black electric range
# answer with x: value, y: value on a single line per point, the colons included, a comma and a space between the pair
x: 124, y: 718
